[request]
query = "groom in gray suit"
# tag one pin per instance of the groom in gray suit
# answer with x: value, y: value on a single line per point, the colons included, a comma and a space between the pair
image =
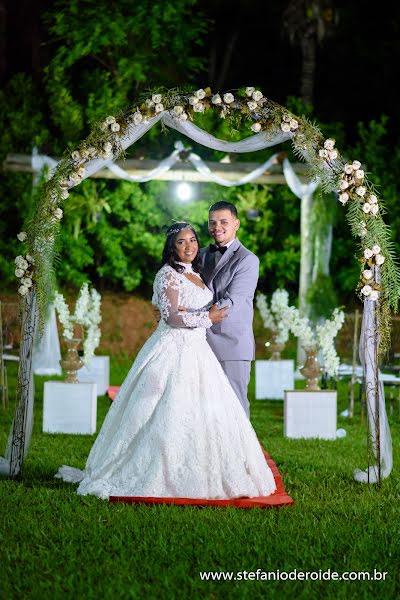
x: 231, y: 271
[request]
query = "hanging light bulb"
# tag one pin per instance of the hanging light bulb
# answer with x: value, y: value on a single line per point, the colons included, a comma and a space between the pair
x: 184, y: 191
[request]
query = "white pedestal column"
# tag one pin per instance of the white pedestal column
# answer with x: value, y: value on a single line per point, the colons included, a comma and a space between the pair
x: 273, y: 377
x: 69, y: 407
x: 309, y: 414
x: 97, y: 371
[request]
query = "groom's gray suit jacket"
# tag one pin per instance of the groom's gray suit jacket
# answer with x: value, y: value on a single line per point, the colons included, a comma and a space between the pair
x: 233, y: 281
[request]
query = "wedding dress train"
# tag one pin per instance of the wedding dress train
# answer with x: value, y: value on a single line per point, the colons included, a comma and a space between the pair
x: 176, y: 428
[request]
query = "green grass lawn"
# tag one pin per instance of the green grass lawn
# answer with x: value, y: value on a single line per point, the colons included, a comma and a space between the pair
x: 55, y: 544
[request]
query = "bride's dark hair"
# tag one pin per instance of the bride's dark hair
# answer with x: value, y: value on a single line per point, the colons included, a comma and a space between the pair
x: 169, y: 256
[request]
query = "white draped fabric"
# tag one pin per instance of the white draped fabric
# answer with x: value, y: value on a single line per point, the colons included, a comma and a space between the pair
x: 39, y: 162
x: 375, y: 399
x: 46, y: 348
x: 298, y: 188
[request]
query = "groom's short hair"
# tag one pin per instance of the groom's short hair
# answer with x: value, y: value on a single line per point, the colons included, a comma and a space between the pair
x: 222, y: 205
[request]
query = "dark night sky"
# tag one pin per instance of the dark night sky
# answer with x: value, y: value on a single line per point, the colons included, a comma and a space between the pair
x: 357, y: 68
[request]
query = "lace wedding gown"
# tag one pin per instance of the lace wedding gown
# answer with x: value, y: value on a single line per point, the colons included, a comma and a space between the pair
x: 176, y: 427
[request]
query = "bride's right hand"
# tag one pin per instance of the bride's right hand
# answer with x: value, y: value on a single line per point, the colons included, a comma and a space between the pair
x: 217, y: 314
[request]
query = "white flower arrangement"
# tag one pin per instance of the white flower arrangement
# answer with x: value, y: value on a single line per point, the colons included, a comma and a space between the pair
x: 369, y: 287
x: 273, y: 315
x: 326, y: 334
x: 322, y: 337
x: 87, y: 314
x: 24, y: 266
x: 288, y: 123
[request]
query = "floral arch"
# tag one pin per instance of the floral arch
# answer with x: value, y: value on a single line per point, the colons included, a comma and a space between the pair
x: 270, y: 124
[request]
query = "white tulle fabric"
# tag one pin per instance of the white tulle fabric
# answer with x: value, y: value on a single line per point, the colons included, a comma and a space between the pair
x: 176, y: 428
x: 46, y: 348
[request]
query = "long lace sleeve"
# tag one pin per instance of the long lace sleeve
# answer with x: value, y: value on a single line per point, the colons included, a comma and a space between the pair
x: 166, y: 298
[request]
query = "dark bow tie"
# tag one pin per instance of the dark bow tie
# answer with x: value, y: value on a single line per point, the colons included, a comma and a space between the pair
x: 215, y: 248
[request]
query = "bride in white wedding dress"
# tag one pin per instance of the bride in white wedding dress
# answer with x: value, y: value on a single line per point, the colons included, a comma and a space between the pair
x: 176, y: 428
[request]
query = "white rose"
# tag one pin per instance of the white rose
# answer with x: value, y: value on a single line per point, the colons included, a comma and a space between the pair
x: 115, y: 127
x: 356, y: 165
x: 285, y: 127
x: 252, y: 105
x: 216, y: 99
x: 199, y: 107
x: 293, y: 124
x: 107, y: 147
x: 343, y: 198
x: 367, y: 253
x: 23, y: 290
x: 137, y: 117
x: 361, y: 191
x: 376, y: 249
x: 81, y: 171
x: 22, y: 236
x: 286, y: 118
x: 372, y: 199
x: 30, y: 259
x: 75, y: 178
x: 329, y: 144
x: 367, y: 274
x: 359, y: 174
x: 256, y: 127
x: 229, y: 98
x: 183, y: 117
x: 92, y: 151
x: 19, y: 272
x: 178, y: 110
x: 333, y: 154
x: 366, y: 207
x: 374, y: 209
x: 379, y: 259
x: 366, y: 290
x: 323, y: 153
x: 193, y: 100
x: 257, y: 95
x: 64, y: 194
x: 21, y: 263
x: 200, y: 94
x: 149, y: 103
x: 109, y: 120
x: 58, y: 213
x: 75, y: 155
x: 27, y: 282
x: 348, y: 169
x: 344, y: 185
x: 156, y: 98
x: 159, y: 107
x: 249, y: 91
x: 374, y: 295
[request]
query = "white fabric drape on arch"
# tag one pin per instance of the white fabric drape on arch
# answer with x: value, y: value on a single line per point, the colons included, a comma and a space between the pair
x: 375, y: 397
x: 46, y: 349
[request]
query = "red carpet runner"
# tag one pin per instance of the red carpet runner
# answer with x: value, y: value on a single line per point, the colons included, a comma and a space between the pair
x: 278, y: 498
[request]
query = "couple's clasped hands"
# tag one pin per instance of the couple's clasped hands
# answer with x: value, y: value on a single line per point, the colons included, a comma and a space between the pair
x: 215, y: 314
